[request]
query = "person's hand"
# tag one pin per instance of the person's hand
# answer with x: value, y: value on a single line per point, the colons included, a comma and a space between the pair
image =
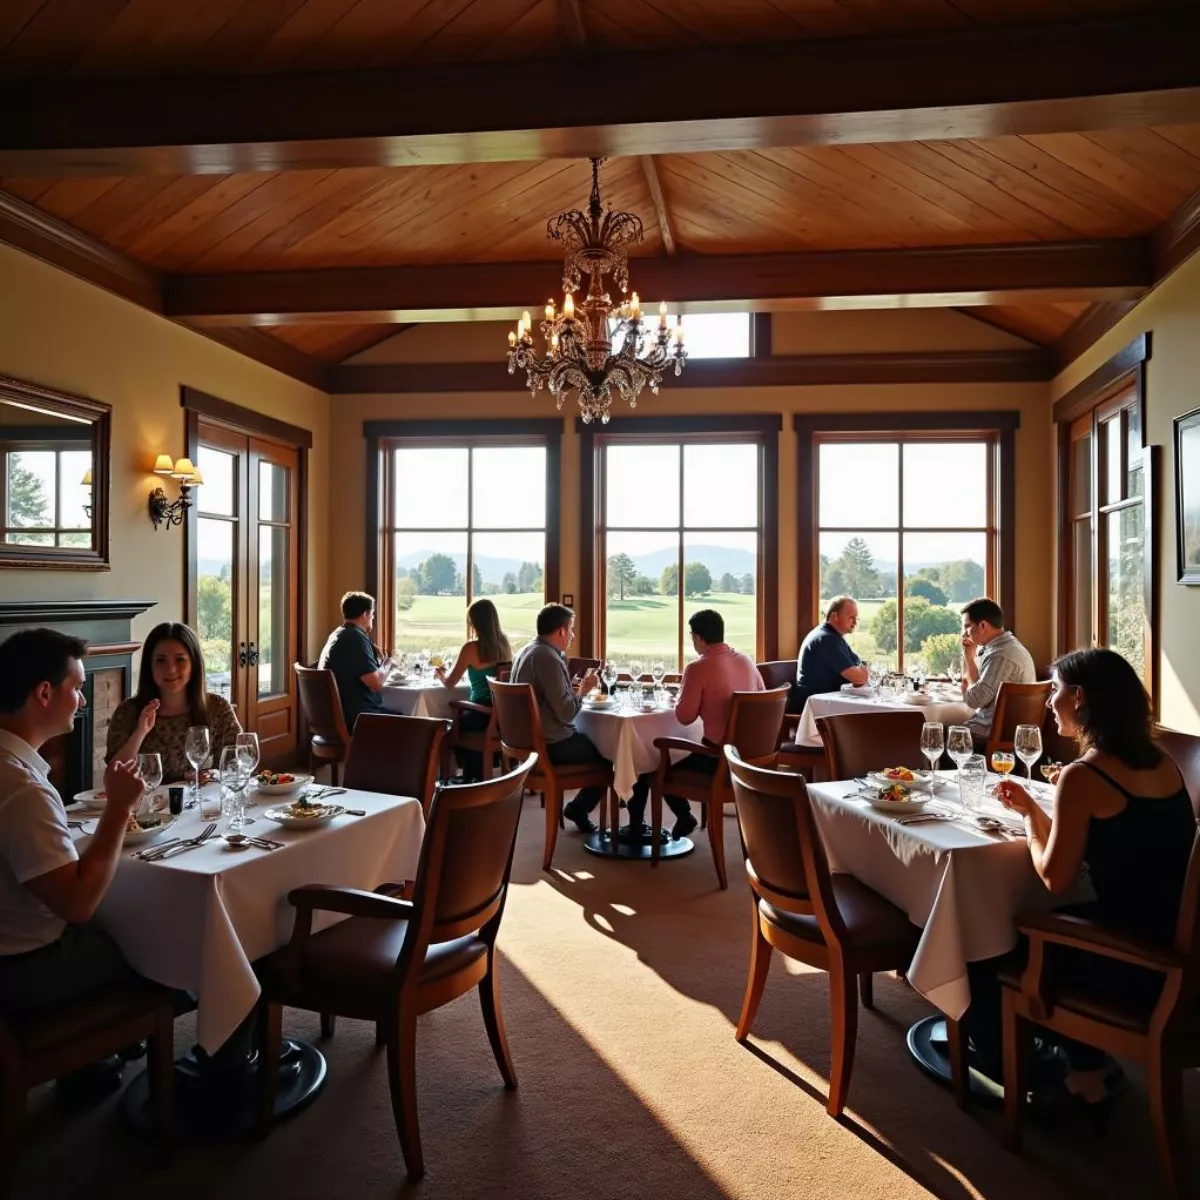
x: 968, y: 643
x: 589, y: 683
x: 440, y: 672
x: 125, y: 787
x: 1012, y: 795
x: 147, y: 717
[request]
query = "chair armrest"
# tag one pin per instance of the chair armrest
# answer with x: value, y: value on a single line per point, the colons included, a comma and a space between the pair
x: 678, y: 743
x: 1061, y: 929
x: 354, y: 902
x: 401, y: 891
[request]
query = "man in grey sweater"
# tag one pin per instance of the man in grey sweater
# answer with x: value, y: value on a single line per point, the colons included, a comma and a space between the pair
x: 992, y: 656
x: 543, y: 664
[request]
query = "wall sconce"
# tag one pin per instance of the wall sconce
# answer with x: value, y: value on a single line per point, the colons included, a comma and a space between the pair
x: 163, y: 510
x: 86, y: 482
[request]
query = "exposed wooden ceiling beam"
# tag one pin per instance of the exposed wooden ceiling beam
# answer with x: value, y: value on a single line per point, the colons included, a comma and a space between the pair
x: 993, y: 322
x: 271, y: 352
x: 650, y: 170
x: 1087, y: 329
x: 978, y: 82
x: 796, y: 370
x: 946, y: 276
x: 1178, y: 238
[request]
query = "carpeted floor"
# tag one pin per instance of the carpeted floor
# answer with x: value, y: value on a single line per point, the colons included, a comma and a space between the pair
x: 621, y: 989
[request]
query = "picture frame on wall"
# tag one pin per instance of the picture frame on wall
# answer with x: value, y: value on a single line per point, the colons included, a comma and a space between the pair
x: 1187, y: 496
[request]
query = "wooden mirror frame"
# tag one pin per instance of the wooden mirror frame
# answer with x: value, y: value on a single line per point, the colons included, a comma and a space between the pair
x: 99, y: 418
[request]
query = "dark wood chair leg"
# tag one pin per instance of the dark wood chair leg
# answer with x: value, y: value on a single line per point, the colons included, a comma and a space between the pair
x: 160, y: 1067
x: 843, y: 1034
x: 270, y: 1044
x: 328, y: 1025
x: 866, y: 989
x: 960, y: 1075
x: 716, y: 837
x: 1015, y: 1062
x: 493, y: 1020
x: 656, y: 807
x: 1164, y: 1086
x: 554, y: 804
x: 402, y: 1082
x: 756, y: 980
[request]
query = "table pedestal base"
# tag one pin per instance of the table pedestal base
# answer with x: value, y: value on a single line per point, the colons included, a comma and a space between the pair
x: 928, y: 1043
x: 668, y: 847
x: 214, y: 1104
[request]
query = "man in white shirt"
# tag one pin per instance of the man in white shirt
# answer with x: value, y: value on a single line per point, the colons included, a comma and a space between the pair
x: 992, y: 656
x: 49, y: 951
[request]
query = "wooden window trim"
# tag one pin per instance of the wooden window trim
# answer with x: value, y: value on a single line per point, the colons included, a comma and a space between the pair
x: 382, y: 436
x: 763, y: 429
x: 998, y: 426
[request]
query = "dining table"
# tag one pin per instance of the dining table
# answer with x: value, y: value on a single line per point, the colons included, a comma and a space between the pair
x: 938, y: 704
x: 624, y: 732
x: 414, y: 697
x: 197, y: 919
x: 960, y: 876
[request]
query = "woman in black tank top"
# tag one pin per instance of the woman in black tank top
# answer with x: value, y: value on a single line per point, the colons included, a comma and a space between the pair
x: 1122, y: 813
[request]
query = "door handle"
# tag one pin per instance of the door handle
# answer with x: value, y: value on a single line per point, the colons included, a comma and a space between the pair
x: 252, y: 655
x: 243, y: 660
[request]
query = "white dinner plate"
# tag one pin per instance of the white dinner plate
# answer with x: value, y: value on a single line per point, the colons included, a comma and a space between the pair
x: 919, y: 698
x: 149, y: 834
x: 93, y: 798
x: 598, y: 705
x: 880, y: 779
x: 283, y: 789
x: 913, y: 804
x: 288, y: 817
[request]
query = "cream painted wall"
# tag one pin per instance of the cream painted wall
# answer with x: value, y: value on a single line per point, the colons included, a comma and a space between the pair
x: 63, y: 333
x: 1034, y: 461
x: 1171, y: 313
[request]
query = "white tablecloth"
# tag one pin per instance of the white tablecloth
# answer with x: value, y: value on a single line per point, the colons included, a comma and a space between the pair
x: 423, y: 699
x: 626, y: 739
x: 962, y: 886
x: 951, y: 712
x: 198, y: 920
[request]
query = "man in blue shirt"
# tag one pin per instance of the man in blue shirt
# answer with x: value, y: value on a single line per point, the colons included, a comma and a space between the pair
x: 351, y: 656
x: 826, y: 660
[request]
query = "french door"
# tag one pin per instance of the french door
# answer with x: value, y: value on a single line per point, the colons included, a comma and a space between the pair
x: 244, y: 579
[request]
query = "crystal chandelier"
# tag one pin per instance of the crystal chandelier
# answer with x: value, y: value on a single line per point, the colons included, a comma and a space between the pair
x: 579, y: 346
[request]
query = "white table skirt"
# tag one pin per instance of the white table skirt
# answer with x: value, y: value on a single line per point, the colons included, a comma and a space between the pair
x: 962, y: 886
x: 424, y: 699
x: 952, y: 712
x: 627, y: 740
x: 198, y: 920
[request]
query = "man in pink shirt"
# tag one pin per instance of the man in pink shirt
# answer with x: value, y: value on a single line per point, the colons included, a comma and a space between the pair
x: 707, y: 693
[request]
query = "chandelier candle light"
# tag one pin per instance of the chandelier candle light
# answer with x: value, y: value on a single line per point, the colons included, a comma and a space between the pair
x: 579, y: 356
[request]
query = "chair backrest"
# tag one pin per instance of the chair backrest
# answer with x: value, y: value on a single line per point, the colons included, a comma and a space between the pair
x: 779, y: 673
x: 518, y: 719
x: 856, y: 743
x: 466, y: 859
x: 1184, y: 748
x: 755, y: 719
x: 321, y: 703
x: 1017, y: 704
x: 785, y: 858
x: 581, y: 666
x: 396, y: 755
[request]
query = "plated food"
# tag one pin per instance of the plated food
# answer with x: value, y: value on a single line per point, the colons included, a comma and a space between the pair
x: 890, y: 775
x: 143, y: 827
x: 280, y: 783
x: 303, y: 814
x: 896, y: 798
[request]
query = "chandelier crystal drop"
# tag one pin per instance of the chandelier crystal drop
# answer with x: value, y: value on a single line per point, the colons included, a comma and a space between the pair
x: 579, y: 340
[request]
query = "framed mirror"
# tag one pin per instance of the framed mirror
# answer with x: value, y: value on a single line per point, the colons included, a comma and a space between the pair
x: 54, y: 462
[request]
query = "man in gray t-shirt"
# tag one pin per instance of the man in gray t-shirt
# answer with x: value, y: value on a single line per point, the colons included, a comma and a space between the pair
x: 991, y: 656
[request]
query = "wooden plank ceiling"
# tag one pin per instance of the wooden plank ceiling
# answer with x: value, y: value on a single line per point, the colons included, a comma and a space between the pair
x: 98, y: 38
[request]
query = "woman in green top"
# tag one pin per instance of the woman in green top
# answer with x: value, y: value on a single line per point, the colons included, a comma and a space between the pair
x: 479, y: 659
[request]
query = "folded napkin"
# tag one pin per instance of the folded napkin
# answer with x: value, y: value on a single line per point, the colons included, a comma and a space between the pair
x: 854, y: 689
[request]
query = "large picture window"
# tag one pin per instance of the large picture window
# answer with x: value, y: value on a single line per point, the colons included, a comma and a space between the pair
x: 680, y: 525
x: 463, y: 516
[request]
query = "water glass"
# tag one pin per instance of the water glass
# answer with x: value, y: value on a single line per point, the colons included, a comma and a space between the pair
x: 1027, y: 742
x: 210, y: 802
x: 234, y: 778
x: 196, y: 748
x: 972, y: 782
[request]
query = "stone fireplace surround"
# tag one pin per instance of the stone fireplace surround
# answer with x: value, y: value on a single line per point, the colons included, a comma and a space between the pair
x: 77, y: 759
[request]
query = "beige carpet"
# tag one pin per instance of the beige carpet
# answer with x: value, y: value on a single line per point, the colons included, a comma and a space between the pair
x: 621, y: 990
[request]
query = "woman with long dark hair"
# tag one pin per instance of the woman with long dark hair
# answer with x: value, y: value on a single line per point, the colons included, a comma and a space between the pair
x: 1123, y: 810
x: 480, y: 659
x: 171, y: 696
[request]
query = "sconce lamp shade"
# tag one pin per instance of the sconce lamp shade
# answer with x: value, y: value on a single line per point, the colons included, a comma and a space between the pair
x: 163, y: 465
x: 197, y: 477
x: 183, y: 470
x: 86, y: 481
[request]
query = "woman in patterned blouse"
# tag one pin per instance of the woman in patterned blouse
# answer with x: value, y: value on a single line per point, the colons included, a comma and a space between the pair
x: 171, y: 697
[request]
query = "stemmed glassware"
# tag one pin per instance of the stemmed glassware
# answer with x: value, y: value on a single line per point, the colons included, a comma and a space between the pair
x: 196, y: 748
x: 1002, y: 762
x: 1027, y: 742
x: 609, y: 674
x: 932, y: 745
x: 960, y: 747
x: 248, y: 753
x: 151, y: 770
x: 956, y: 669
x: 657, y: 671
x: 234, y: 778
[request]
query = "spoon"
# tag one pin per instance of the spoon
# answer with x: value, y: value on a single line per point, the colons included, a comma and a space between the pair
x: 237, y: 841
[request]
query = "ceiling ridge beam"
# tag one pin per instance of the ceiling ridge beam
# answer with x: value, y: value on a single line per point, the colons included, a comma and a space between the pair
x: 1119, y: 269
x: 659, y: 200
x: 1133, y: 70
x: 995, y: 323
x: 794, y: 370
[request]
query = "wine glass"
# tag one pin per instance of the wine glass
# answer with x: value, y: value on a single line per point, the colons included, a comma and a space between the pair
x: 195, y: 749
x: 1027, y: 742
x: 960, y: 747
x: 635, y: 670
x: 657, y: 670
x: 1050, y: 771
x: 955, y: 670
x: 151, y: 769
x: 932, y: 745
x: 234, y: 778
x: 1003, y: 762
x: 248, y: 752
x: 609, y: 674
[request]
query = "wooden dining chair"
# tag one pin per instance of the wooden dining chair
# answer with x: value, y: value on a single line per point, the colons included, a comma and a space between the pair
x: 396, y: 755
x: 1165, y: 1036
x: 856, y: 743
x: 329, y: 739
x: 1017, y: 704
x: 520, y: 726
x: 831, y: 922
x: 782, y: 673
x: 394, y: 959
x: 753, y: 727
x: 1184, y: 749
x: 485, y: 742
x: 581, y: 666
x: 53, y: 1041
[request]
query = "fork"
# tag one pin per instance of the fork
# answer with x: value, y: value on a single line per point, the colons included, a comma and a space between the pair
x: 165, y: 851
